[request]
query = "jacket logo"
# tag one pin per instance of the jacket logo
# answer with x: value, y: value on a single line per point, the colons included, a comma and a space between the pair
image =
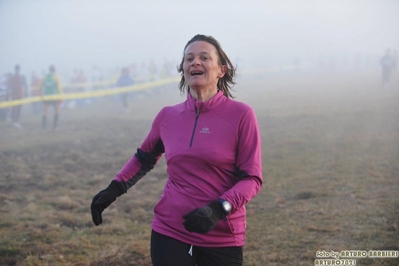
x: 205, y: 130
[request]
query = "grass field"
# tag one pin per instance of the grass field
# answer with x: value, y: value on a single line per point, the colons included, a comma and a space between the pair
x: 330, y: 165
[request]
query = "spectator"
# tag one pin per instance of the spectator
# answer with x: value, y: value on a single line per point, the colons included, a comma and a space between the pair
x: 34, y: 89
x: 18, y: 89
x: 125, y: 80
x: 50, y: 86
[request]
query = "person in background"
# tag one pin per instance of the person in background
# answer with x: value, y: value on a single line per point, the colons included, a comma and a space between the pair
x: 18, y: 89
x: 125, y: 80
x: 51, y: 85
x: 212, y: 147
x: 34, y: 86
x: 81, y: 80
x: 387, y: 65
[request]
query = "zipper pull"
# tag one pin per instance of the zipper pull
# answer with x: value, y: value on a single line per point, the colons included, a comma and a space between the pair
x: 191, y: 251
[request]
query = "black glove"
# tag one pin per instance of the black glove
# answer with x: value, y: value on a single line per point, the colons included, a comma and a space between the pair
x: 204, y: 219
x: 104, y: 198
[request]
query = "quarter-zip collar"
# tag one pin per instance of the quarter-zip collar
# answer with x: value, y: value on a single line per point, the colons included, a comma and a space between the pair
x: 193, y: 104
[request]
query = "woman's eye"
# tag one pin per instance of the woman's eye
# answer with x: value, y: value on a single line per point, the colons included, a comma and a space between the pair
x: 204, y: 58
x: 189, y: 59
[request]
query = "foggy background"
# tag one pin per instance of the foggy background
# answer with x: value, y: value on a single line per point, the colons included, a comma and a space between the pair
x: 255, y: 34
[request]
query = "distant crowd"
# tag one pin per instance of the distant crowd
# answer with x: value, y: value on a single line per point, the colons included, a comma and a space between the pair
x: 15, y: 86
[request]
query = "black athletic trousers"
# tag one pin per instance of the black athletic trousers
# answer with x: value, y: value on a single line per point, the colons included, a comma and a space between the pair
x: 167, y: 251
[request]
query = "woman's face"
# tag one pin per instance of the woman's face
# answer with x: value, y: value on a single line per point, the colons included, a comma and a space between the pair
x: 201, y: 66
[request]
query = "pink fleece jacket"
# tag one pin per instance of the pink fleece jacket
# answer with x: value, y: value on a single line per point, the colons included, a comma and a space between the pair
x: 212, y: 150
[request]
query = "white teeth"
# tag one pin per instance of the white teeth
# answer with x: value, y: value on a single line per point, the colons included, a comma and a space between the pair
x: 196, y: 73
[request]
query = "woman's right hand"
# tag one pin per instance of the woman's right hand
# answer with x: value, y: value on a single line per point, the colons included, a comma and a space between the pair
x: 103, y: 199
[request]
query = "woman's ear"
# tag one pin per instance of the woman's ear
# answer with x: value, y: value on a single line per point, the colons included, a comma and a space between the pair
x: 223, y: 70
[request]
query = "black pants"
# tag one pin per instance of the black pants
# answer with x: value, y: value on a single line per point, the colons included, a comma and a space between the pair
x: 166, y: 251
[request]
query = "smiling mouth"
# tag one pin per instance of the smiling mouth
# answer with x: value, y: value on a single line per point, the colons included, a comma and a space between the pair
x: 196, y: 73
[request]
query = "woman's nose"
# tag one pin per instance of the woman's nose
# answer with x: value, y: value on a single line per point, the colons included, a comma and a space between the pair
x: 195, y: 61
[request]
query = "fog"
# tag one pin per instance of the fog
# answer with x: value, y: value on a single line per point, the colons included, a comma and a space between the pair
x: 80, y: 34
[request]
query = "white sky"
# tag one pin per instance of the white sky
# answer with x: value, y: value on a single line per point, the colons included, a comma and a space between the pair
x: 73, y: 33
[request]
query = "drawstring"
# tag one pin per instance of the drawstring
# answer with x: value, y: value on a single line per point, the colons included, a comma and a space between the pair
x: 191, y: 251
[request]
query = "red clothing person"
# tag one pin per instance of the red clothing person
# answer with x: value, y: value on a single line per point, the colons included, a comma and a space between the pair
x: 17, y: 88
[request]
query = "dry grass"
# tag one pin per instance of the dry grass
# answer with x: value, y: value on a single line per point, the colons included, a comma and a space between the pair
x: 331, y: 168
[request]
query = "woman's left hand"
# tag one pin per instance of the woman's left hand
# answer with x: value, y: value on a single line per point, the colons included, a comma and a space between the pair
x: 204, y: 219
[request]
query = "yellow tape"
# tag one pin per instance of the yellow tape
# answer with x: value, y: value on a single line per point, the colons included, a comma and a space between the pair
x: 82, y: 85
x: 90, y: 94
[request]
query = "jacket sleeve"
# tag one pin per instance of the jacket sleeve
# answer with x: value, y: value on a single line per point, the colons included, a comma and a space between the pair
x: 144, y: 160
x: 248, y: 163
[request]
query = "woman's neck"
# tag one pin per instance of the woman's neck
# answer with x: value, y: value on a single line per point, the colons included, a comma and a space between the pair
x: 203, y: 95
